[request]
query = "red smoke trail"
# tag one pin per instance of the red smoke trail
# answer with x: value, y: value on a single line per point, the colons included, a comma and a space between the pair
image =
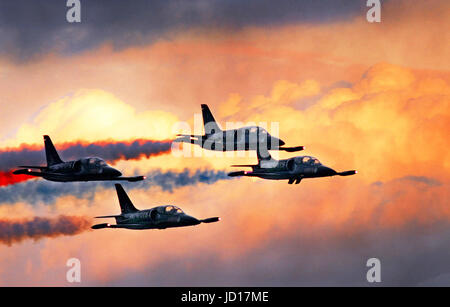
x: 12, y: 231
x: 7, y: 178
x: 109, y: 150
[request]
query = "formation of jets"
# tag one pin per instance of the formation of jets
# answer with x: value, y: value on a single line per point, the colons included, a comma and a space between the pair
x: 246, y: 138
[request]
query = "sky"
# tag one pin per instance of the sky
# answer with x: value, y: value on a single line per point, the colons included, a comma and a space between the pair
x: 374, y: 97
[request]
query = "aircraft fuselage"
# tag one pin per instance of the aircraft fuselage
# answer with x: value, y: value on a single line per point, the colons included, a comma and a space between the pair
x: 289, y: 168
x: 155, y: 218
x: 293, y: 169
x: 86, y: 169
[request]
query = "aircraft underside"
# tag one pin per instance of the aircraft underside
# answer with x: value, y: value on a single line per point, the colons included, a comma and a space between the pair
x: 140, y: 226
x: 218, y: 145
x: 64, y: 177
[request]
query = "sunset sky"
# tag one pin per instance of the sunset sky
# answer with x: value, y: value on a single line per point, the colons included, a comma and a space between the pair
x: 374, y: 97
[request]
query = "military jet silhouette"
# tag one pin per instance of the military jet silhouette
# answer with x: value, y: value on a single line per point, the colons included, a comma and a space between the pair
x: 86, y: 169
x: 245, y: 138
x: 293, y: 169
x: 156, y: 218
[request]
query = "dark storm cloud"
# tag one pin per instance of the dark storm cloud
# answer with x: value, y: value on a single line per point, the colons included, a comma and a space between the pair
x: 410, y: 256
x: 414, y: 252
x: 422, y: 179
x: 110, y: 151
x: 30, y: 28
x: 35, y: 191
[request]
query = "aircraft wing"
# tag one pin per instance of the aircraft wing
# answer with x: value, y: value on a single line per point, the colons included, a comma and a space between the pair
x: 292, y: 149
x: 130, y: 179
x: 210, y: 220
x: 347, y: 173
x: 108, y: 225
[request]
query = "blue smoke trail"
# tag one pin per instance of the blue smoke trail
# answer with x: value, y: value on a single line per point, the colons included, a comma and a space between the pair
x: 43, y: 191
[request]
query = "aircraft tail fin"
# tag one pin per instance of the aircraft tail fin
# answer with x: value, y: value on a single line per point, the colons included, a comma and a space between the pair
x: 126, y: 206
x: 50, y: 152
x: 263, y: 155
x: 209, y: 122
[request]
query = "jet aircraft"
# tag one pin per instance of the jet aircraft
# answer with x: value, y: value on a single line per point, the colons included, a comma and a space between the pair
x: 86, y: 169
x: 156, y: 218
x: 293, y: 169
x: 245, y: 138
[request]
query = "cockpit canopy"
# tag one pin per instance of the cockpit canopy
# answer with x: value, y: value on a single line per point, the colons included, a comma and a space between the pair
x: 307, y: 160
x: 255, y: 129
x: 96, y: 162
x: 171, y: 209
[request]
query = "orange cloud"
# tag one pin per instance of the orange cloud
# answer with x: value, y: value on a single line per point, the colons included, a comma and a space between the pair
x: 391, y: 123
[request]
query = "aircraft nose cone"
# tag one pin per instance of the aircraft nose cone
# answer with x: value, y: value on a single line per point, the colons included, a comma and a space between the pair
x: 274, y: 142
x: 326, y: 171
x: 113, y: 172
x: 189, y: 220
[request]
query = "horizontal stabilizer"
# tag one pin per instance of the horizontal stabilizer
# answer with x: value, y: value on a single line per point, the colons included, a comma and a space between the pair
x: 26, y: 171
x: 36, y: 167
x: 210, y: 220
x: 244, y: 165
x: 347, y: 173
x: 292, y: 149
x: 106, y: 216
x: 100, y: 226
x: 236, y: 174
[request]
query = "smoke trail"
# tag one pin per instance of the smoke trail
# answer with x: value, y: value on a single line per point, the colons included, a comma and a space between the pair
x: 7, y: 178
x: 13, y: 231
x: 111, y: 151
x: 47, y: 191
